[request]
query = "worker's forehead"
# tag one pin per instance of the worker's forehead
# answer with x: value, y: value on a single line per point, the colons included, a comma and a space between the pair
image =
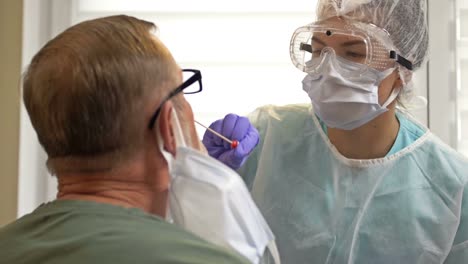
x: 343, y: 29
x: 333, y: 22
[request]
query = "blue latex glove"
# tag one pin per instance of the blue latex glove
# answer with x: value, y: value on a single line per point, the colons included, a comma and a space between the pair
x: 233, y: 127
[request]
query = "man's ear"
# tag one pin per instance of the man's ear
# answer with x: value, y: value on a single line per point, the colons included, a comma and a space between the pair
x: 166, y: 129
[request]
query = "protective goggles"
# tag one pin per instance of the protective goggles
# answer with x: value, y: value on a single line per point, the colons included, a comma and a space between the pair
x: 362, y: 44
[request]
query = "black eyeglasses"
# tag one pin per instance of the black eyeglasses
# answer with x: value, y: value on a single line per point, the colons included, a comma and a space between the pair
x: 191, y: 76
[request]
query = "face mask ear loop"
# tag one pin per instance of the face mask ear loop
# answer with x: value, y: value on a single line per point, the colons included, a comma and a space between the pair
x: 392, y: 97
x: 167, y: 156
x: 395, y: 91
x: 170, y: 159
x: 402, y: 75
x: 179, y: 136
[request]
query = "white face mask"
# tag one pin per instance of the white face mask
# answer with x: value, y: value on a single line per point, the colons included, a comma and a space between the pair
x: 209, y: 199
x: 343, y: 103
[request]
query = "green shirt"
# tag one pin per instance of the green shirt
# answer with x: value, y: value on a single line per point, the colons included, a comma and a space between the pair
x: 88, y: 232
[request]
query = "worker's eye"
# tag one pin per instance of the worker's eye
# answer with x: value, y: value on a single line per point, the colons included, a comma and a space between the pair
x: 355, y: 55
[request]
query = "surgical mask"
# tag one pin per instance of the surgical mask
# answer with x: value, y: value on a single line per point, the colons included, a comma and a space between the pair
x: 346, y: 103
x: 210, y: 200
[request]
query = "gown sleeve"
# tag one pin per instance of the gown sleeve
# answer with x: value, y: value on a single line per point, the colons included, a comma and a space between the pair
x: 459, y: 251
x: 258, y: 118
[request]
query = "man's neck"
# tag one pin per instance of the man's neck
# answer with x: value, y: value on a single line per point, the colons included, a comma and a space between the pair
x: 373, y: 140
x: 127, y: 186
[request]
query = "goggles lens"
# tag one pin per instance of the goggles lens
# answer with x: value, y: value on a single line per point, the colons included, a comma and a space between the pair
x: 364, y: 46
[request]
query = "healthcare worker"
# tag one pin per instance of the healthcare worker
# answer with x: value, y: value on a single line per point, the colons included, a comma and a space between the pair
x: 350, y: 179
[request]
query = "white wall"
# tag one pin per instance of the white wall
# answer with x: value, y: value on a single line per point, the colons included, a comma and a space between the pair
x: 442, y: 75
x: 462, y: 73
x: 35, y: 184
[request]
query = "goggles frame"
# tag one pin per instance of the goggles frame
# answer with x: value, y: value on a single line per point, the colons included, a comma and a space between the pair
x: 377, y: 40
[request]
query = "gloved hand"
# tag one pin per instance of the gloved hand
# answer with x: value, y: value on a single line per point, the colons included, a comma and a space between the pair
x: 233, y: 127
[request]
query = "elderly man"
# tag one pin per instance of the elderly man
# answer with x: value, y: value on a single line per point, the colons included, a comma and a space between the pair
x: 100, y: 96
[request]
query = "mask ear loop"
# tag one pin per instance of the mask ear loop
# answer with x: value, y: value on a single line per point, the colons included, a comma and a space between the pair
x: 170, y: 159
x: 177, y: 130
x: 274, y: 252
x: 395, y: 91
x: 392, y: 97
x: 178, y: 135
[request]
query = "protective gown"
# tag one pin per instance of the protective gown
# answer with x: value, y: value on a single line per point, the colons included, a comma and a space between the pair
x: 409, y: 207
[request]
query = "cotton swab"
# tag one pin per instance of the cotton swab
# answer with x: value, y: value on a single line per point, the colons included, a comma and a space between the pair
x: 234, y: 143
